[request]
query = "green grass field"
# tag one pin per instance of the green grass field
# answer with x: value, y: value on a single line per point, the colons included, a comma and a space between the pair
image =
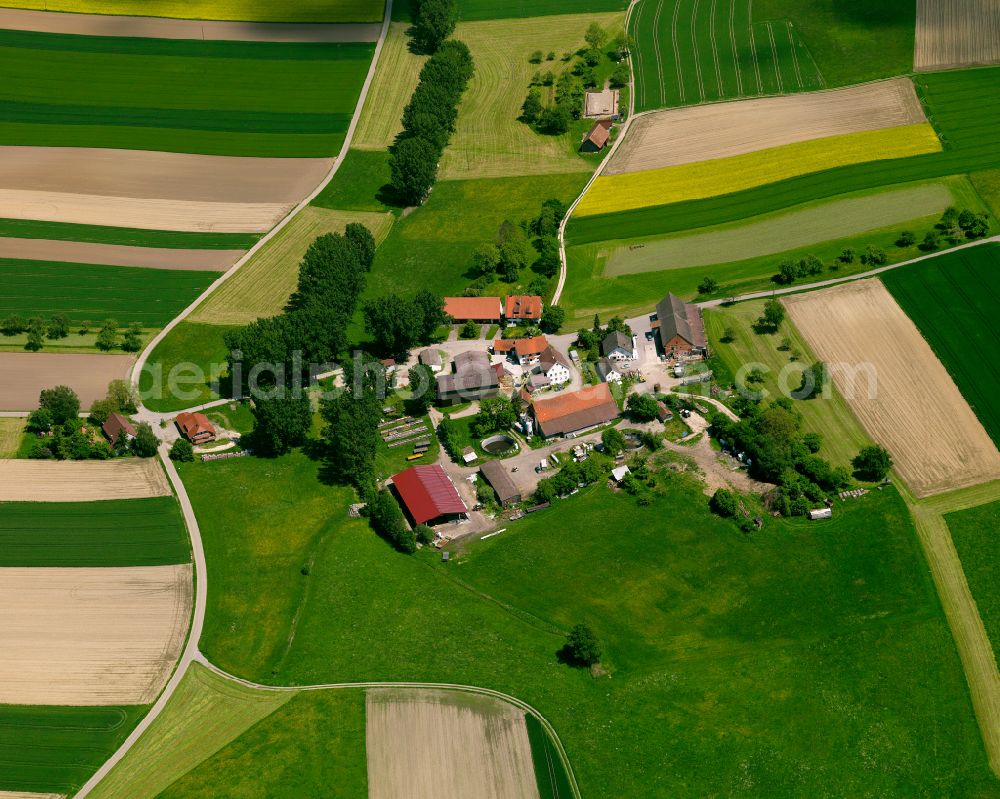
x: 734, y: 662
x: 132, y: 532
x: 168, y: 239
x: 57, y: 749
x: 312, y: 745
x: 362, y: 179
x: 225, y: 98
x: 689, y: 51
x: 489, y: 141
x: 262, y: 286
x: 242, y: 10
x: 188, y: 343
x: 974, y: 533
x: 471, y: 10
x: 963, y: 106
x: 831, y: 418
x: 11, y: 433
x: 206, y: 713
x: 81, y: 292
x: 954, y: 300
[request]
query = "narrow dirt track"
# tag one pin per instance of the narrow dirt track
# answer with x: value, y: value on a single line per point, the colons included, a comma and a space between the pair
x: 148, y: 174
x: 78, y: 252
x: 163, y: 28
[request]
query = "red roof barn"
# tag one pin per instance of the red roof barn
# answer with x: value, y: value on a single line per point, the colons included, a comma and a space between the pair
x: 428, y: 495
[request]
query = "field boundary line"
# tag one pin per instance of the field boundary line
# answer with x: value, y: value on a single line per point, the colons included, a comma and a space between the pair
x: 736, y: 51
x: 600, y: 168
x: 638, y: 51
x: 762, y: 295
x: 695, y: 51
x: 657, y: 52
x: 753, y: 47
x: 140, y: 362
x: 715, y: 48
x: 774, y: 55
x: 795, y: 56
x: 443, y: 686
x: 677, y: 54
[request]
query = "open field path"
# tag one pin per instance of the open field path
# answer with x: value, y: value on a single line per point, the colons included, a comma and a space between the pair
x: 18, y: 19
x: 78, y: 252
x: 974, y: 647
x: 348, y: 138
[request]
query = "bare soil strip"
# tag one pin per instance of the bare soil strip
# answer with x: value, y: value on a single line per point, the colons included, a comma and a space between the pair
x: 956, y: 33
x: 720, y: 130
x: 76, y: 252
x: 426, y: 744
x: 81, y: 481
x: 24, y: 374
x: 27, y: 795
x: 105, y: 636
x: 162, y: 28
x: 176, y: 215
x: 161, y: 176
x: 912, y: 407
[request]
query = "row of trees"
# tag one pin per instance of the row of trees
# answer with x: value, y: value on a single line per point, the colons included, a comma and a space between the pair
x: 109, y: 335
x: 397, y: 323
x: 313, y: 329
x: 429, y: 121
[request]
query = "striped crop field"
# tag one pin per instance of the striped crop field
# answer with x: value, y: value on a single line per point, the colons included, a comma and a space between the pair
x: 696, y: 51
x: 241, y: 10
x: 629, y: 191
x: 222, y: 98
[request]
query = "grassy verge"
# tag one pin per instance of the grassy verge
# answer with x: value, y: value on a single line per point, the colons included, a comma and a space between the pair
x: 780, y: 655
x: 830, y: 417
x: 57, y: 749
x: 98, y: 234
x: 973, y: 532
x: 361, y: 183
x: 134, y: 532
x: 11, y: 432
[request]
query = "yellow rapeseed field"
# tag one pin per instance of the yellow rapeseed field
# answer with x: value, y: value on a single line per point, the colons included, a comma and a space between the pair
x: 243, y: 10
x: 726, y: 175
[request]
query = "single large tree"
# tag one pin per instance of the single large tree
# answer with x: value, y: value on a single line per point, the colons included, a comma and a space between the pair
x: 281, y: 422
x: 435, y: 22
x: 873, y: 463
x: 583, y: 646
x: 61, y: 402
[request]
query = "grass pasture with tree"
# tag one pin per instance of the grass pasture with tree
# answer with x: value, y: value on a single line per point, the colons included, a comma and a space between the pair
x: 188, y: 343
x: 153, y: 94
x: 953, y: 301
x: 500, y: 615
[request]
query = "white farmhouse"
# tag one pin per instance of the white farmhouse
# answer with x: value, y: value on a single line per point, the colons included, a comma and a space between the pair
x: 554, y: 366
x: 618, y: 346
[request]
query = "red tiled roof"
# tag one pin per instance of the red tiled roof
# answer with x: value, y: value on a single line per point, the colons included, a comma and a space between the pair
x: 524, y: 307
x: 115, y: 424
x: 465, y: 308
x: 575, y: 410
x: 524, y: 347
x: 428, y: 493
x: 195, y: 425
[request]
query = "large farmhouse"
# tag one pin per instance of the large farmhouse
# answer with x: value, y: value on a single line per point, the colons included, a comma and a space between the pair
x: 523, y: 309
x: 474, y: 378
x: 428, y: 495
x: 523, y: 351
x: 680, y: 327
x: 195, y: 427
x: 575, y: 411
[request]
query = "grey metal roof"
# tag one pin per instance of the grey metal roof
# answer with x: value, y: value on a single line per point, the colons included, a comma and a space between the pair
x: 616, y: 340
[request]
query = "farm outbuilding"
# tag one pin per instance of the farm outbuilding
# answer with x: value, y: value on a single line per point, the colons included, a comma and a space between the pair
x: 618, y: 346
x: 428, y: 496
x: 195, y: 427
x: 115, y: 426
x: 474, y: 378
x: 574, y: 411
x: 680, y: 327
x: 487, y: 310
x: 431, y: 358
x: 821, y: 513
x: 601, y: 104
x: 598, y: 137
x: 495, y: 473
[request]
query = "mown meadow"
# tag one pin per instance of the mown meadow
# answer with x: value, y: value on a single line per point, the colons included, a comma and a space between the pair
x: 974, y: 533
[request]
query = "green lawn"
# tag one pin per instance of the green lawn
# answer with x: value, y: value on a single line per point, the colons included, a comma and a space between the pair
x: 312, y: 745
x: 225, y: 98
x: 57, y: 749
x: 589, y: 289
x: 955, y: 301
x: 130, y: 532
x: 964, y: 106
x: 735, y: 662
x: 690, y: 52
x: 63, y: 231
x: 974, y: 532
x: 81, y: 292
x: 830, y: 417
x: 191, y: 344
x: 361, y: 181
x: 472, y: 10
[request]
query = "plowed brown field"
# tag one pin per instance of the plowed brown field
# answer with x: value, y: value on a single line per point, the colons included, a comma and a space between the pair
x: 81, y: 481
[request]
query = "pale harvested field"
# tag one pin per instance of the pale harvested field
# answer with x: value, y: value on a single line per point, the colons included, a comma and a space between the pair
x: 489, y: 142
x: 956, y: 33
x: 915, y: 410
x: 720, y: 130
x: 80, y: 252
x: 24, y: 374
x: 81, y: 481
x: 106, y: 636
x: 177, y: 215
x: 396, y: 77
x: 262, y: 286
x: 10, y: 436
x: 162, y: 28
x: 425, y: 744
x: 27, y: 795
x: 151, y: 175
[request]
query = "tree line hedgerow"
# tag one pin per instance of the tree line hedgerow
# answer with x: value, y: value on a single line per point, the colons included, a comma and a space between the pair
x: 429, y: 121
